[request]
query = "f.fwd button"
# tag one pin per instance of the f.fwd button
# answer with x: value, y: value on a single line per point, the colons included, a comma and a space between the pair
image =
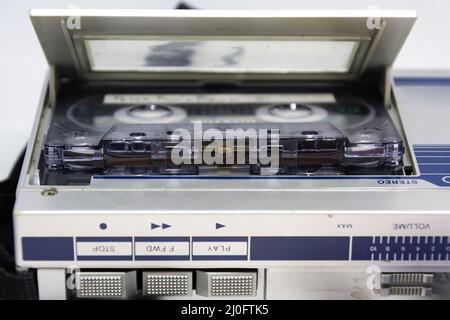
x: 163, y: 226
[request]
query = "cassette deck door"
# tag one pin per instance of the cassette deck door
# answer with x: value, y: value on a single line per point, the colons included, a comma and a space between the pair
x: 202, y: 44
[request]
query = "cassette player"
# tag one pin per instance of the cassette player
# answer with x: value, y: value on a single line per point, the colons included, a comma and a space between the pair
x: 236, y: 154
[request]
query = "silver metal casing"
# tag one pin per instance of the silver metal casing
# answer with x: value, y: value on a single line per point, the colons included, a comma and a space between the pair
x: 307, y: 237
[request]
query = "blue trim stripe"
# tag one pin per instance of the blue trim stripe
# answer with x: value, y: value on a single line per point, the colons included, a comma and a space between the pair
x: 432, y: 153
x: 300, y: 248
x: 434, y: 163
x: 422, y: 81
x: 433, y: 146
x: 47, y: 248
x: 433, y: 160
x: 438, y: 169
x: 274, y: 248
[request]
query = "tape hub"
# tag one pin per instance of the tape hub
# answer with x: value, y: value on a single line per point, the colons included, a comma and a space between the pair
x: 150, y: 113
x: 291, y: 112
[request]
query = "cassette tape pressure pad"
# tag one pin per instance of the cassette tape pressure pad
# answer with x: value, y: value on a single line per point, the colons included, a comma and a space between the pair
x: 232, y: 154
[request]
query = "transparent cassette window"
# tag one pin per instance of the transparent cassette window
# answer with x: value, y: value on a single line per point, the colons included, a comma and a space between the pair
x: 226, y: 56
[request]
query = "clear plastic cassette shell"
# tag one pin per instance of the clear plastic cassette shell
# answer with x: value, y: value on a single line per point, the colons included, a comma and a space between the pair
x: 328, y: 138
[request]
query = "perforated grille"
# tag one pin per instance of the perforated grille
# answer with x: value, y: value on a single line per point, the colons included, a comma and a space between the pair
x: 409, y: 291
x: 167, y: 284
x: 100, y: 286
x: 411, y: 278
x: 232, y: 285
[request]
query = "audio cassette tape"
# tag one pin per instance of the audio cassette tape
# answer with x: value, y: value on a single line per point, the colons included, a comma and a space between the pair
x: 235, y: 134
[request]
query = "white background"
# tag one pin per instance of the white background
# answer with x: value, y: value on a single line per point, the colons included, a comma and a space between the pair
x: 23, y: 66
